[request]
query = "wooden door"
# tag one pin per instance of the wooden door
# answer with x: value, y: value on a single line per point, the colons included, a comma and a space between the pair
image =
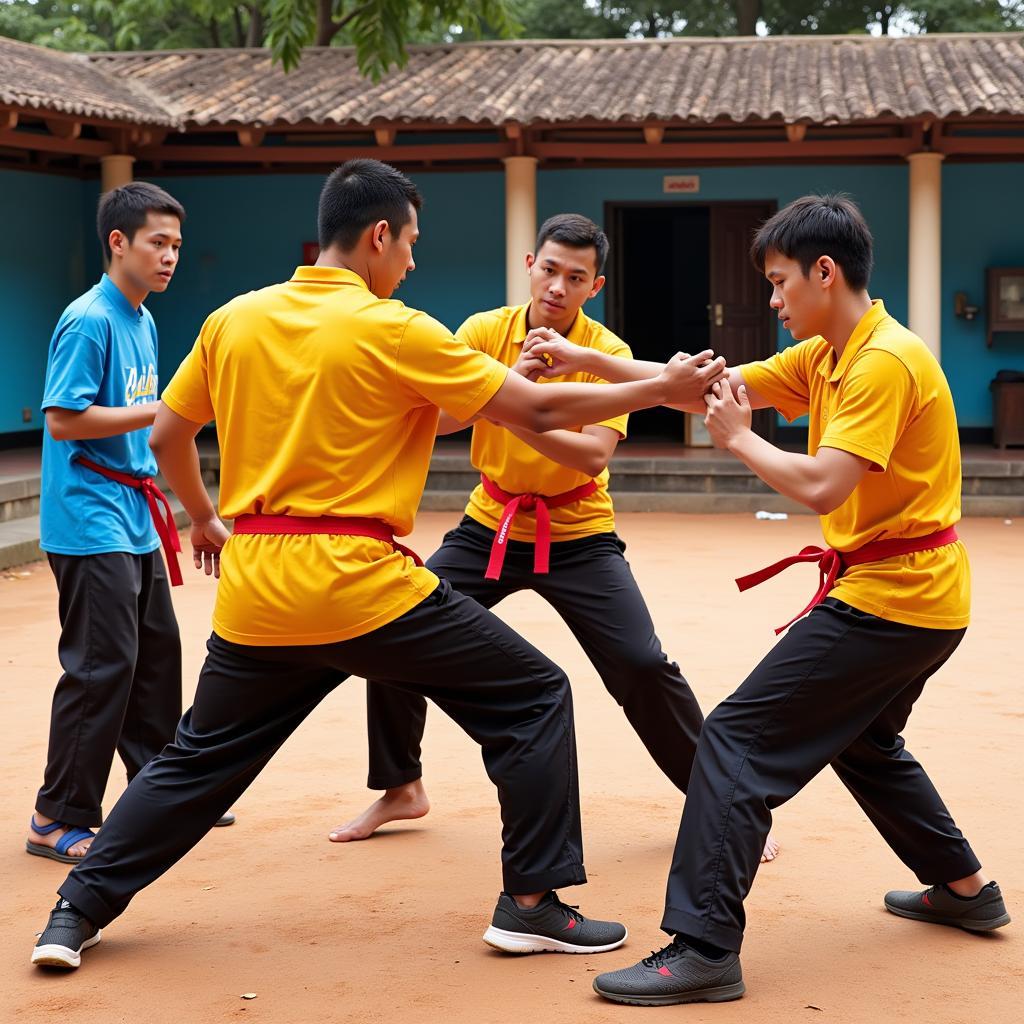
x: 742, y: 325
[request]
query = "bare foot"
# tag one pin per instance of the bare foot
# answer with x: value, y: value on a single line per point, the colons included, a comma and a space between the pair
x: 771, y: 849
x: 78, y: 850
x: 398, y: 804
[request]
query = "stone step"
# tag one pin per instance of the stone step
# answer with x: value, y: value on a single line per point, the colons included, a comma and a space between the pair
x: 19, y: 538
x: 694, y: 483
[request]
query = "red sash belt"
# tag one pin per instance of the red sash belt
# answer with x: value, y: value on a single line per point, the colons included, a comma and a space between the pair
x: 342, y: 526
x: 832, y: 563
x: 166, y: 529
x: 528, y: 503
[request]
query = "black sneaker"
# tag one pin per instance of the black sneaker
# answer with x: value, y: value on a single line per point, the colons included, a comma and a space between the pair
x: 675, y: 974
x: 981, y: 913
x: 550, y: 927
x: 66, y: 934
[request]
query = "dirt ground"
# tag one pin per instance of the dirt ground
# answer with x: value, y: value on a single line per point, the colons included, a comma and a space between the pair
x: 390, y: 929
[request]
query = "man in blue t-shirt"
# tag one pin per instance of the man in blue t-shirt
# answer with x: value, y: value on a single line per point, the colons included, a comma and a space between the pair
x: 119, y: 644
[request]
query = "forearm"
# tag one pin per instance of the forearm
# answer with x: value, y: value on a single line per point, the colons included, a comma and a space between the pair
x: 98, y: 421
x: 569, y: 405
x: 178, y: 459
x: 616, y: 370
x: 581, y: 452
x: 800, y: 477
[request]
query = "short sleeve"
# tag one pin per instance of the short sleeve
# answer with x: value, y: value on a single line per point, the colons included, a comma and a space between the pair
x: 74, y: 373
x: 445, y: 370
x: 188, y: 393
x: 473, y: 333
x: 875, y: 401
x: 783, y: 380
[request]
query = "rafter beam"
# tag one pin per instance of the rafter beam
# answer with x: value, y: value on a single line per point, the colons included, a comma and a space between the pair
x: 63, y: 129
x: 8, y: 120
x: 654, y: 134
x: 796, y: 132
x: 957, y: 145
x: 251, y: 137
x: 384, y: 137
x: 48, y: 144
x: 690, y: 151
x: 325, y: 154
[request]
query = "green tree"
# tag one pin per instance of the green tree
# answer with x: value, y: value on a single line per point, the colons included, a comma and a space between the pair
x: 841, y: 17
x: 379, y: 29
x: 134, y: 24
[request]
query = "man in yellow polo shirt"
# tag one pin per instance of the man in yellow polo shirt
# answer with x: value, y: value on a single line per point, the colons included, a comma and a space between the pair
x: 581, y: 572
x: 883, y: 472
x: 325, y: 393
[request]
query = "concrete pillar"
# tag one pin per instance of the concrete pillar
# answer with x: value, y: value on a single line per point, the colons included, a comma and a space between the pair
x: 115, y: 170
x: 520, y: 224
x: 924, y: 274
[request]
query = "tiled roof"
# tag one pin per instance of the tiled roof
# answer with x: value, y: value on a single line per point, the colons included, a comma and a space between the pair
x: 53, y: 82
x: 684, y: 80
x: 795, y: 78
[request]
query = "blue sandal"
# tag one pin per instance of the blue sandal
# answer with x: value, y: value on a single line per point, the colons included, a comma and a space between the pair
x: 66, y: 841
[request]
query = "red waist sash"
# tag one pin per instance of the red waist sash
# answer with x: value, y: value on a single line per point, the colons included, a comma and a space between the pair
x: 166, y: 529
x: 528, y: 503
x: 342, y: 526
x: 832, y: 563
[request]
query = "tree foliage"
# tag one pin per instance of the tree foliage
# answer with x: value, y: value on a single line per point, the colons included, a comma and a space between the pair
x: 381, y: 30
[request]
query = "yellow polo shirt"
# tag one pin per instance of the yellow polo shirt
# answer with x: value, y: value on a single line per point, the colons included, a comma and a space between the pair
x: 886, y: 400
x: 511, y: 463
x: 326, y: 402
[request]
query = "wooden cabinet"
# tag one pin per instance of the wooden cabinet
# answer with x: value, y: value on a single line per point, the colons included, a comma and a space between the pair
x: 1005, y: 310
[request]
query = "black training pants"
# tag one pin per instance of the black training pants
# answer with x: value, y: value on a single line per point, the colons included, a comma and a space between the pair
x: 836, y: 690
x: 121, y: 687
x: 591, y: 587
x: 506, y: 695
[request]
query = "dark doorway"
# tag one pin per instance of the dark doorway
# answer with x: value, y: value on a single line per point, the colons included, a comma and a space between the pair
x: 679, y: 278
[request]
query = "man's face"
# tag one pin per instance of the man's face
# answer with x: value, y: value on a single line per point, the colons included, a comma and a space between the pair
x: 561, y: 280
x: 148, y: 260
x: 394, y: 257
x: 799, y: 300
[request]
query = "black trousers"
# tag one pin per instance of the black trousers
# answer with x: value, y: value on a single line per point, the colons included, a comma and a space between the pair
x: 836, y: 690
x: 511, y: 699
x: 121, y: 687
x: 591, y: 587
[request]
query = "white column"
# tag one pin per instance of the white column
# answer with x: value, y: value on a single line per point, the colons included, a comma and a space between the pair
x: 924, y: 274
x: 520, y: 224
x: 115, y: 170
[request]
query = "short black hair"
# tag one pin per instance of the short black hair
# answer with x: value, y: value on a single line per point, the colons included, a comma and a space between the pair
x: 360, y: 193
x: 577, y: 232
x: 126, y: 207
x: 814, y: 226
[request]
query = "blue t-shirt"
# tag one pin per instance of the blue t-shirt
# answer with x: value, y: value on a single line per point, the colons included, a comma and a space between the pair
x: 103, y: 352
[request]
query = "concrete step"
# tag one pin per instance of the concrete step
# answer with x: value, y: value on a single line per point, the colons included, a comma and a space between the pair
x: 19, y: 497
x: 19, y: 538
x: 695, y: 483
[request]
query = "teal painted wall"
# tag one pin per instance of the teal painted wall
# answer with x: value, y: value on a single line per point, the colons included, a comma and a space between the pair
x: 246, y: 231
x: 982, y: 226
x: 880, y: 190
x: 42, y: 268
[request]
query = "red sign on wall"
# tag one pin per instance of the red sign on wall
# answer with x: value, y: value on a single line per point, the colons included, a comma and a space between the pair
x: 310, y: 253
